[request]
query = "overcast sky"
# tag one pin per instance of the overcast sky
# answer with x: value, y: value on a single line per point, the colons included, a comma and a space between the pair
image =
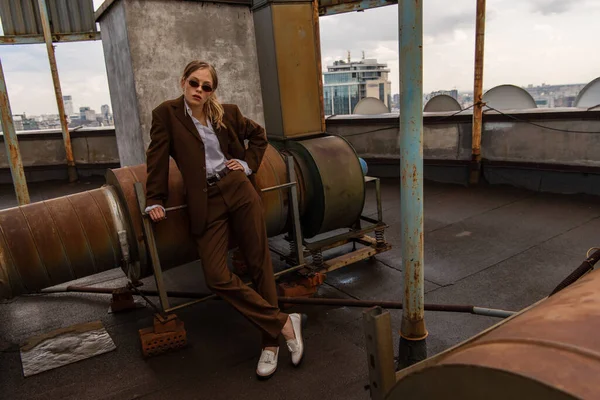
x: 527, y: 42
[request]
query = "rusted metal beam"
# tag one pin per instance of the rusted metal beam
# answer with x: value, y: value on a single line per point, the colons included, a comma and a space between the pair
x: 72, y: 171
x: 332, y: 7
x: 56, y: 37
x: 377, y: 325
x: 351, y: 258
x: 478, y: 94
x: 12, y: 145
x: 413, y: 333
x: 152, y: 248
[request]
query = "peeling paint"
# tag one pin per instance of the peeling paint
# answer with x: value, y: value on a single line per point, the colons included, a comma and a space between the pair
x: 411, y: 144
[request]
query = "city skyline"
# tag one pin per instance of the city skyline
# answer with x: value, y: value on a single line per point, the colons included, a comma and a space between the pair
x: 548, y: 42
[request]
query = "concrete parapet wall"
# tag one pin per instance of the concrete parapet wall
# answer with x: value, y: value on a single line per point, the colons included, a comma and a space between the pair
x: 43, y: 154
x: 536, y: 149
x: 377, y: 136
x: 522, y: 142
x: 564, y: 141
x: 515, y: 153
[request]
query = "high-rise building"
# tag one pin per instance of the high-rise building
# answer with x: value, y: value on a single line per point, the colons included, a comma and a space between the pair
x: 87, y: 114
x: 347, y: 82
x: 107, y: 118
x: 82, y: 111
x: 68, y: 101
x: 105, y: 110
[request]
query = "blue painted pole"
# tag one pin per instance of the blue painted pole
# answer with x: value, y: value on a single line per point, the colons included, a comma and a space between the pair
x: 412, y: 333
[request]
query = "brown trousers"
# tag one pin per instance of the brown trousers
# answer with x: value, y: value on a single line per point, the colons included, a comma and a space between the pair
x: 234, y: 203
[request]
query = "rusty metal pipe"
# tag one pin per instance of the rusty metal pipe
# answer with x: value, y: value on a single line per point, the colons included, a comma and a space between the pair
x: 146, y: 292
x: 72, y: 171
x: 12, y: 145
x: 55, y: 241
x: 468, y: 309
x: 478, y: 93
x: 586, y: 266
x: 396, y: 305
x: 58, y: 240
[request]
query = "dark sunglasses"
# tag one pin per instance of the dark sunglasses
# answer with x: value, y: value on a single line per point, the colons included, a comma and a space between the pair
x: 196, y: 84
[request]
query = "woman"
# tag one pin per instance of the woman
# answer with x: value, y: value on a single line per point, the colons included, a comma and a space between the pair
x: 206, y: 139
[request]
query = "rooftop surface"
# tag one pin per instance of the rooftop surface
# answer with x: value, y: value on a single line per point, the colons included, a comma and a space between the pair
x: 498, y: 247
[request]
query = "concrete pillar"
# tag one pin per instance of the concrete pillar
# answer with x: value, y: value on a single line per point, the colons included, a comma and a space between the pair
x: 148, y: 43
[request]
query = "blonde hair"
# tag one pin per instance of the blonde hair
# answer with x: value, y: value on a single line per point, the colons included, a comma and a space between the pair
x: 212, y: 108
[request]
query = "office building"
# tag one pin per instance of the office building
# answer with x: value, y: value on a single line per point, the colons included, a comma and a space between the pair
x: 68, y: 101
x: 347, y: 82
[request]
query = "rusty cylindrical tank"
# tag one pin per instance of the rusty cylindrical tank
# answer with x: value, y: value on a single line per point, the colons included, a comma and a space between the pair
x: 173, y: 240
x: 332, y: 183
x: 550, y: 351
x: 55, y: 241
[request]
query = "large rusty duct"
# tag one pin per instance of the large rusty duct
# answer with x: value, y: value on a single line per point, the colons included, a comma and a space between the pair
x: 66, y: 238
x: 58, y: 240
x: 549, y: 351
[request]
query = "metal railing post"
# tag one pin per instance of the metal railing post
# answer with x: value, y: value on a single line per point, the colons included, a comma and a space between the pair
x: 413, y: 346
x: 478, y: 94
x: 12, y: 145
x: 72, y: 171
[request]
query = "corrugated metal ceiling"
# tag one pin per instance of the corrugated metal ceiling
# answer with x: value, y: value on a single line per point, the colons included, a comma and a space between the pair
x: 22, y: 17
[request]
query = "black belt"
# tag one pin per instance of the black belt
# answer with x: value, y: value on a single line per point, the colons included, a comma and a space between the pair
x: 211, y: 180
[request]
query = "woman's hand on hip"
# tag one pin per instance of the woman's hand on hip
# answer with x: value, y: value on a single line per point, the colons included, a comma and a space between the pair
x: 234, y: 165
x: 157, y: 214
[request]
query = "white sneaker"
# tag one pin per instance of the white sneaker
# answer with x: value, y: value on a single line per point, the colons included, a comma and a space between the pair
x: 267, y: 364
x: 296, y: 346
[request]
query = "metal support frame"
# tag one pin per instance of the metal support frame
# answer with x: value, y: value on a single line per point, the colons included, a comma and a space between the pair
x: 357, y: 234
x: 413, y: 332
x: 151, y: 245
x: 56, y: 37
x: 12, y: 145
x: 296, y: 233
x: 48, y: 38
x: 72, y: 171
x: 372, y: 246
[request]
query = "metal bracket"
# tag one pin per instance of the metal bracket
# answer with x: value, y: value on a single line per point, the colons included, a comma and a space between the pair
x: 151, y: 243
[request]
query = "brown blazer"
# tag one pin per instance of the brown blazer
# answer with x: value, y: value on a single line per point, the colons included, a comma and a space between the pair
x: 174, y: 134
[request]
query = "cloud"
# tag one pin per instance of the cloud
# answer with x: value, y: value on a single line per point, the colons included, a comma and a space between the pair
x: 551, y: 7
x: 448, y: 24
x: 529, y: 41
x: 81, y: 70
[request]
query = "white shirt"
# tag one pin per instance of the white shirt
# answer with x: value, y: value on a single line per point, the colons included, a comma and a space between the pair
x: 215, y: 160
x: 214, y: 157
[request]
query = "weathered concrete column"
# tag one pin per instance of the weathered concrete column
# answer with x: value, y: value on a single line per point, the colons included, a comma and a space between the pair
x: 148, y: 43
